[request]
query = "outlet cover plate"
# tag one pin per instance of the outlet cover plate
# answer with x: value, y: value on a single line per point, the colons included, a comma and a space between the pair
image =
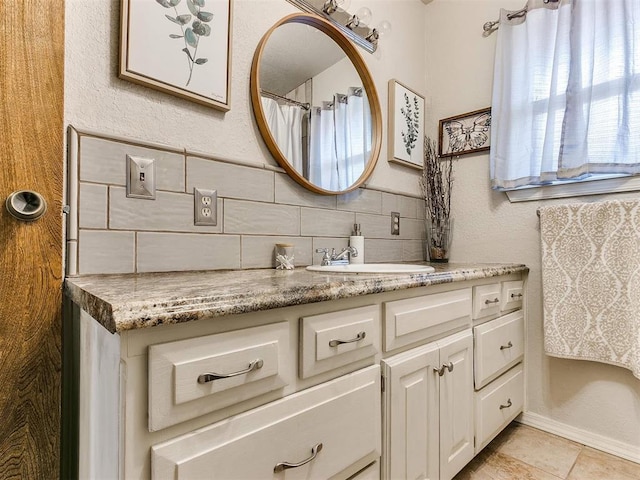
x: 395, y: 223
x: 141, y: 177
x: 205, y: 207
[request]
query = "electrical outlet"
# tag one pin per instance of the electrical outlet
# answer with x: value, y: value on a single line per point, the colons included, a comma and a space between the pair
x: 395, y: 223
x: 141, y: 177
x: 205, y: 204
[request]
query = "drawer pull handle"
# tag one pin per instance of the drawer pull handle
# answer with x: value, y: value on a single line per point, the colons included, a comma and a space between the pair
x: 516, y: 295
x: 358, y: 337
x: 489, y: 302
x: 284, y: 465
x: 443, y: 368
x: 508, y: 345
x: 210, y: 377
x: 507, y: 405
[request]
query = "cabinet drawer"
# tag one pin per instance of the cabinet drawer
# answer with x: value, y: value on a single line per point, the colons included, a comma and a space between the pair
x: 372, y: 472
x: 421, y: 318
x: 512, y: 294
x: 499, y: 344
x: 336, y: 339
x: 176, y: 393
x: 486, y: 300
x: 497, y: 404
x: 343, y: 415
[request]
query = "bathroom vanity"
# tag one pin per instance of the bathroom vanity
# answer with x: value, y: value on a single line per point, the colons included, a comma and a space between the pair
x: 295, y: 374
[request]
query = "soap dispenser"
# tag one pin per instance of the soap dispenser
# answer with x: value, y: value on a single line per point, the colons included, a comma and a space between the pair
x: 357, y: 241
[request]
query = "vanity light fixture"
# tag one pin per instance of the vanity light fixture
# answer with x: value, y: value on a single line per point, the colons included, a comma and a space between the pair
x: 353, y: 26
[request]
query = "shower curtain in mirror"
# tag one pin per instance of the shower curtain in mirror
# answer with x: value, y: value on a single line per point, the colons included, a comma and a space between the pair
x: 285, y: 123
x: 340, y: 140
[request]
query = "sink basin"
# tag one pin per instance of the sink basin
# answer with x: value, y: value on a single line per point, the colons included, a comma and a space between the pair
x: 372, y: 268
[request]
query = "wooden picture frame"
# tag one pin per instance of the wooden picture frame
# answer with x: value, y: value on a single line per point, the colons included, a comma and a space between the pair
x: 179, y: 47
x: 406, y: 126
x: 466, y: 133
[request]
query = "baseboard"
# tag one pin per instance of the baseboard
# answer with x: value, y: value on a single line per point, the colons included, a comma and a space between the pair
x: 593, y: 440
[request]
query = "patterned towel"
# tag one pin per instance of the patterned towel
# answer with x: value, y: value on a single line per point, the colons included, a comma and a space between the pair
x: 591, y: 282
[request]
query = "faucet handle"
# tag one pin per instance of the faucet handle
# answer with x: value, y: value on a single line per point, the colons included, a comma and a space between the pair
x: 326, y: 258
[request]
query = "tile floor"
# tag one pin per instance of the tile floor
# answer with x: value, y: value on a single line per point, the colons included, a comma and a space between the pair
x: 525, y: 453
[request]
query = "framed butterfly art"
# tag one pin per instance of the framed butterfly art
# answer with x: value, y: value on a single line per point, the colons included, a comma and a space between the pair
x: 466, y: 133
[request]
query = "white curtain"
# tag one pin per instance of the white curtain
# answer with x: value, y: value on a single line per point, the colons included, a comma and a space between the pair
x: 285, y: 123
x: 340, y: 140
x: 565, y: 99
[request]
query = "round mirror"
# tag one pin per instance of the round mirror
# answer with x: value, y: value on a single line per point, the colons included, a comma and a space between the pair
x: 316, y: 104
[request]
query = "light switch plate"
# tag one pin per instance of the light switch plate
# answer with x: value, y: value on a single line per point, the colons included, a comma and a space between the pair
x: 141, y: 177
x: 205, y: 207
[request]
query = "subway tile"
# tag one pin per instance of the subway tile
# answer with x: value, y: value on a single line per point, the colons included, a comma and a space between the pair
x: 412, y: 250
x: 421, y: 210
x: 104, y: 161
x: 260, y: 218
x: 376, y: 226
x: 390, y: 203
x: 166, y: 252
x: 412, y: 229
x: 328, y: 242
x: 230, y: 181
x: 382, y: 250
x: 258, y: 251
x: 408, y: 206
x: 317, y: 222
x: 379, y: 226
x: 102, y: 251
x: 290, y: 193
x: 169, y: 212
x: 93, y: 206
x: 361, y: 200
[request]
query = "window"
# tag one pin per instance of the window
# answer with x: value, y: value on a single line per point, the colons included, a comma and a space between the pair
x: 566, y: 100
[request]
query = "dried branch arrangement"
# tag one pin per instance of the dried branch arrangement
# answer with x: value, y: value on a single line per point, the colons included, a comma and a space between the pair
x: 436, y: 183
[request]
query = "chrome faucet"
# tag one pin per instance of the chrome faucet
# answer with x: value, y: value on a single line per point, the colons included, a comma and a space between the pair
x: 334, y: 258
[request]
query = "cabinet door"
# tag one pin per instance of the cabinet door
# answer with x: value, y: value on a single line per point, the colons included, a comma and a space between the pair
x: 456, y: 403
x: 410, y: 414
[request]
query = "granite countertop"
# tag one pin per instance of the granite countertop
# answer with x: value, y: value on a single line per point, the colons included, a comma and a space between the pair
x: 132, y: 301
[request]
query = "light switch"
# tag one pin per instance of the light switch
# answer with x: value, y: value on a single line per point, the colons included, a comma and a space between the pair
x: 141, y: 177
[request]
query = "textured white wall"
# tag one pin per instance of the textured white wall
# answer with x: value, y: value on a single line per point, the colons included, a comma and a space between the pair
x: 96, y: 99
x: 601, y: 399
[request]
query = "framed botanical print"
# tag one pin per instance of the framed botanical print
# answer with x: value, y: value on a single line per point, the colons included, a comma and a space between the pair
x: 466, y: 133
x: 182, y: 47
x: 406, y: 125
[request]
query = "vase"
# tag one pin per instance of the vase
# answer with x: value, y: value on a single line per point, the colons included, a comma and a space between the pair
x: 438, y: 240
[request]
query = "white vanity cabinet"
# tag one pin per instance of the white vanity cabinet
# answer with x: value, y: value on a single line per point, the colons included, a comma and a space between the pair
x: 406, y: 383
x: 499, y: 344
x: 428, y: 409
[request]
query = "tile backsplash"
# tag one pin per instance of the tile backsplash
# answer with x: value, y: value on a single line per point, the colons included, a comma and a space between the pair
x: 258, y: 206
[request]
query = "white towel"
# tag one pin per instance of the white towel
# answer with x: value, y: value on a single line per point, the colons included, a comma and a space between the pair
x: 591, y: 282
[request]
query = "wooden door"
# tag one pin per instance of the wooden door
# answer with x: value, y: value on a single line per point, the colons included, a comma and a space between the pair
x: 31, y: 152
x: 410, y: 415
x: 456, y: 404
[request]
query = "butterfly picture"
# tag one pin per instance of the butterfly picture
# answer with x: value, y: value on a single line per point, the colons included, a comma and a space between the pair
x: 466, y: 133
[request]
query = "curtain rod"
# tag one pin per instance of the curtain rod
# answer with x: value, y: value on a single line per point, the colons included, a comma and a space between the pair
x: 267, y: 93
x: 490, y: 27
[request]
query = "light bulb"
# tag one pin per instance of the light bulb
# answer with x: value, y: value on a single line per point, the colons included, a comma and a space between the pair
x: 384, y: 28
x: 364, y: 15
x: 344, y: 4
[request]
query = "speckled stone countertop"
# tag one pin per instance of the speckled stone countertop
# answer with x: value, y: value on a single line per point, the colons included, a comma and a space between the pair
x: 126, y: 302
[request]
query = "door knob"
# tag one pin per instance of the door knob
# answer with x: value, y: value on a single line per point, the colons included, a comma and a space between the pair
x: 26, y: 205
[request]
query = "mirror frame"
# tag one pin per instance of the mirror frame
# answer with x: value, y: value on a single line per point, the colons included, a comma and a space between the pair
x: 367, y: 81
